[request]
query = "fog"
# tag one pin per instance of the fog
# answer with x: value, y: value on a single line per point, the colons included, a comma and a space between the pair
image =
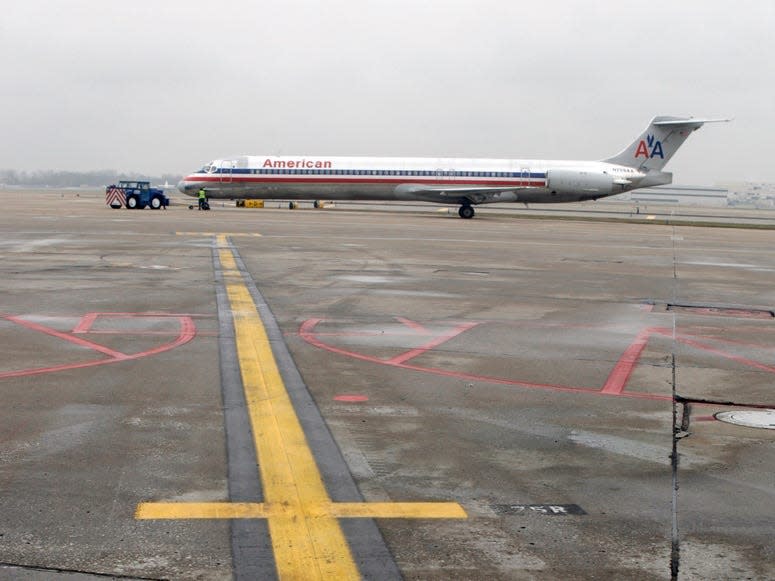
x: 161, y: 87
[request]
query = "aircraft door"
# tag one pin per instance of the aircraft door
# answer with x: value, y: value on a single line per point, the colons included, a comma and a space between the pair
x: 525, y: 176
x: 226, y: 171
x: 444, y: 175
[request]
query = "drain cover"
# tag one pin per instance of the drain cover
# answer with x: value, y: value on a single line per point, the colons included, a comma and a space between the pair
x: 751, y: 418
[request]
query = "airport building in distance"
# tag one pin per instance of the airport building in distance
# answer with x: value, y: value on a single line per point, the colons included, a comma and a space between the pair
x: 732, y: 194
x: 678, y: 195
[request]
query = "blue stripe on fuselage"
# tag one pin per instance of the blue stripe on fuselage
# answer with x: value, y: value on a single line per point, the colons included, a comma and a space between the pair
x: 379, y: 172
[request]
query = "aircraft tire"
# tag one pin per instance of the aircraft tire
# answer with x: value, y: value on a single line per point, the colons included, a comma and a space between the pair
x: 466, y: 212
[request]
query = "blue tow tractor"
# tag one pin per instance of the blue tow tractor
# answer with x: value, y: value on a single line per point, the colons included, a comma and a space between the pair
x: 134, y: 195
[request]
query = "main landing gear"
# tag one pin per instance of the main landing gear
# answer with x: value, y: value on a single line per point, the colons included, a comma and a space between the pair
x: 466, y: 211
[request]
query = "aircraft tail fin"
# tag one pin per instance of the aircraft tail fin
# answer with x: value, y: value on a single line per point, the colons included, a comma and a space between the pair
x: 657, y: 144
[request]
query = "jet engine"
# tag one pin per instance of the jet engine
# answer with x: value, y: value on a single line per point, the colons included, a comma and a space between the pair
x: 585, y: 183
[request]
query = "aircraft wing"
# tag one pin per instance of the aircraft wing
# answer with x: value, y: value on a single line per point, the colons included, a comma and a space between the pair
x: 460, y: 194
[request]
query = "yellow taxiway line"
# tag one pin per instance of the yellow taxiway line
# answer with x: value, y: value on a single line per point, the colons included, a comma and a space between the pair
x: 307, y: 539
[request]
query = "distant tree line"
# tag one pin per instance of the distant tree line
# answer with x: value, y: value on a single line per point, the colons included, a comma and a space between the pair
x: 72, y: 179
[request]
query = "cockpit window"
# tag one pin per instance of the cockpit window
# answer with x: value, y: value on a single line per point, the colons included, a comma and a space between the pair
x: 208, y: 168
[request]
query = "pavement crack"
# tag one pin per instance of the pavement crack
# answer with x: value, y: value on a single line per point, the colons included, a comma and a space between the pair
x: 678, y: 433
x: 689, y: 400
x: 80, y: 572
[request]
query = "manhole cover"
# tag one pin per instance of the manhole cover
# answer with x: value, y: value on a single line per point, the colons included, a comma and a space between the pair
x: 751, y: 418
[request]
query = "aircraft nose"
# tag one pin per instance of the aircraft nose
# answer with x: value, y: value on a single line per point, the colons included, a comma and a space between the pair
x: 182, y: 186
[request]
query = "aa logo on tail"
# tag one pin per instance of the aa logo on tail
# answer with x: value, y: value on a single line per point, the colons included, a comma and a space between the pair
x: 650, y: 147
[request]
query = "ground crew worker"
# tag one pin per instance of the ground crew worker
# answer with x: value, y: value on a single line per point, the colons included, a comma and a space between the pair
x: 202, y: 198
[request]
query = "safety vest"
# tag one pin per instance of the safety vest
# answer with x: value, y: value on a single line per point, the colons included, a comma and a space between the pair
x: 202, y: 195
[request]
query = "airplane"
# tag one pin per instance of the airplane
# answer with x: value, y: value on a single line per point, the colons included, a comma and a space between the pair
x: 463, y: 182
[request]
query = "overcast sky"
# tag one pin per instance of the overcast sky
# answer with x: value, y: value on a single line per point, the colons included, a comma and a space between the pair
x: 165, y: 85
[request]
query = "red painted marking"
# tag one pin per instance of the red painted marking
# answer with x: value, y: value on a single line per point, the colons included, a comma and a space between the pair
x: 710, y: 349
x: 86, y: 323
x: 154, y: 333
x: 351, y: 398
x: 412, y: 353
x: 621, y: 372
x: 307, y: 332
x: 704, y: 419
x: 502, y: 381
x: 736, y: 342
x: 187, y: 333
x: 66, y: 336
x: 365, y: 334
x: 614, y: 386
x: 414, y: 325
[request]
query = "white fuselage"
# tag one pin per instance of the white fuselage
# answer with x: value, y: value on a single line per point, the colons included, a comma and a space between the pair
x: 445, y: 180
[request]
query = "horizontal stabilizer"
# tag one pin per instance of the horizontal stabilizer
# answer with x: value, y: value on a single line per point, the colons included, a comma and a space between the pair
x: 690, y: 120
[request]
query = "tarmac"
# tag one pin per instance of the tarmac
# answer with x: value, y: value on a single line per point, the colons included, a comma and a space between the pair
x: 379, y: 393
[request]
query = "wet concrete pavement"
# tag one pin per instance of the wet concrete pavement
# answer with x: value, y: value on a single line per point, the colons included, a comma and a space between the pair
x: 520, y: 368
